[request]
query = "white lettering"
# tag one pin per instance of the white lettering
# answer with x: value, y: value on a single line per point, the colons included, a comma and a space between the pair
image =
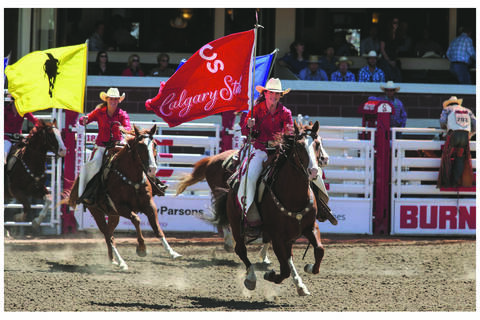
x: 203, y: 56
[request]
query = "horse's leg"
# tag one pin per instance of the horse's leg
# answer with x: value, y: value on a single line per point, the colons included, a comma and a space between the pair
x: 22, y: 217
x: 151, y: 212
x: 240, y: 248
x: 229, y: 243
x: 102, y: 225
x: 314, y: 237
x: 263, y: 253
x: 283, y: 251
x: 48, y: 201
x: 301, y: 288
x: 141, y: 247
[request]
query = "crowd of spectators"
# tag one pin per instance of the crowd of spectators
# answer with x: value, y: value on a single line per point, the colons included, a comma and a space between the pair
x: 382, y: 52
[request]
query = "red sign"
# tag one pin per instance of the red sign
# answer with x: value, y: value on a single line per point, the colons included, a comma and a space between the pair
x: 437, y: 217
x: 215, y: 79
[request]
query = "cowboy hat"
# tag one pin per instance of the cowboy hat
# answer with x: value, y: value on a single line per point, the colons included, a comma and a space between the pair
x: 371, y: 54
x: 344, y: 59
x: 273, y: 85
x: 313, y: 59
x: 112, y: 93
x: 390, y: 85
x: 452, y: 101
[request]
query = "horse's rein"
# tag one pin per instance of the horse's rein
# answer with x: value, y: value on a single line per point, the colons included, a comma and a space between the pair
x: 299, y: 166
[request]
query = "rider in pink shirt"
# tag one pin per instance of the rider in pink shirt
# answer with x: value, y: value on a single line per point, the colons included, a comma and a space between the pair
x: 13, y: 123
x: 109, y: 118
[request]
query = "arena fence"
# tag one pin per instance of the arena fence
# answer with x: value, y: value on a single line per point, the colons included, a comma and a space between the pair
x: 417, y: 206
x: 54, y: 172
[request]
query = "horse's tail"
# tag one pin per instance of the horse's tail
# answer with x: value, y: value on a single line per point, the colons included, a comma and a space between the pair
x: 70, y: 196
x: 219, y: 205
x: 197, y: 175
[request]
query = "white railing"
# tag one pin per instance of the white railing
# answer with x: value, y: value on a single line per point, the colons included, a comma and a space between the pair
x: 417, y: 205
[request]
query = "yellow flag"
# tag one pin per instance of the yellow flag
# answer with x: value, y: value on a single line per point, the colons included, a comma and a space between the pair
x: 54, y: 78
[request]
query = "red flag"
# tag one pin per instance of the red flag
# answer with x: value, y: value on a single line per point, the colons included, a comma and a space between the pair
x: 215, y: 79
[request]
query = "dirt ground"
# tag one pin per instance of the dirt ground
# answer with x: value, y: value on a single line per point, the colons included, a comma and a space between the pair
x: 357, y: 274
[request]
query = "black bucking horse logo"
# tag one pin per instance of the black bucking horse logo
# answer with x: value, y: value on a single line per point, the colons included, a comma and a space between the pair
x: 51, y: 71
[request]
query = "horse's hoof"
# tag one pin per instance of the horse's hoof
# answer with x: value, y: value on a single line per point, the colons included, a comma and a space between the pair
x: 249, y: 284
x: 35, y: 224
x: 19, y: 217
x: 303, y: 291
x: 141, y: 253
x: 308, y: 268
x: 175, y: 255
x: 228, y: 248
x: 269, y: 275
x: 266, y: 261
x: 123, y: 267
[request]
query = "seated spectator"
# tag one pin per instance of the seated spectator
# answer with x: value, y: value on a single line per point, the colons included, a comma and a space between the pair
x: 461, y: 53
x: 372, y: 42
x: 371, y: 73
x: 294, y: 60
x: 95, y: 42
x: 328, y: 61
x: 342, y: 74
x: 122, y: 37
x: 133, y: 67
x: 101, y: 66
x: 427, y: 47
x: 162, y: 69
x: 313, y: 71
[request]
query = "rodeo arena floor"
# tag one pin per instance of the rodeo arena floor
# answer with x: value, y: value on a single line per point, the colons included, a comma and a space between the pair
x: 429, y: 266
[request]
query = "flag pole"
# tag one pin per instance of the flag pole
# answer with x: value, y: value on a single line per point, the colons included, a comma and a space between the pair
x: 249, y: 139
x: 84, y: 108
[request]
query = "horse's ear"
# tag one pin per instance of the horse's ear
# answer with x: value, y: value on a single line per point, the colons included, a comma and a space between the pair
x: 137, y: 133
x: 315, y: 127
x: 295, y: 125
x: 54, y: 122
x: 153, y: 130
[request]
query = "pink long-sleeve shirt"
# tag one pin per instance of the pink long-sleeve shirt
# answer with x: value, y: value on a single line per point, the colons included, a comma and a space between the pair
x: 267, y: 124
x: 105, y: 123
x: 13, y: 122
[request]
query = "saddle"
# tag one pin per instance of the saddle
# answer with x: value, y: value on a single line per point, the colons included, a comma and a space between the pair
x: 14, y: 153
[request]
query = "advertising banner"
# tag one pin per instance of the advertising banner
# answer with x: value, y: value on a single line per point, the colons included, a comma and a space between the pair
x: 174, y: 214
x: 354, y: 216
x: 434, y: 217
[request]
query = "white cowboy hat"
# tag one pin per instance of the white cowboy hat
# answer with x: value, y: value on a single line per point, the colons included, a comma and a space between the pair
x: 371, y: 54
x: 313, y: 59
x: 390, y: 85
x: 273, y: 85
x: 112, y: 93
x: 452, y: 101
x: 344, y: 59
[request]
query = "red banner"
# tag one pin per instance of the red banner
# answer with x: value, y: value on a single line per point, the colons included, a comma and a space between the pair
x: 215, y: 79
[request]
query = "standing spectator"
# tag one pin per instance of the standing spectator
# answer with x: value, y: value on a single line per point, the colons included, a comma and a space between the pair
x: 460, y: 124
x: 295, y: 60
x: 389, y: 44
x: 342, y: 46
x: 427, y: 45
x: 101, y: 66
x: 328, y: 61
x: 122, y: 37
x: 371, y: 73
x: 95, y: 42
x: 342, y: 74
x: 162, y: 69
x: 133, y: 67
x: 460, y: 53
x: 313, y: 71
x: 405, y: 48
x: 372, y: 42
x: 399, y: 117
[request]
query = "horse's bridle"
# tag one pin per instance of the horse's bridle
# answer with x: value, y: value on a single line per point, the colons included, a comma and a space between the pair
x: 296, y: 161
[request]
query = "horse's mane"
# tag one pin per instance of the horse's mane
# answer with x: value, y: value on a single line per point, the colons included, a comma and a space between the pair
x: 40, y: 125
x: 284, y: 140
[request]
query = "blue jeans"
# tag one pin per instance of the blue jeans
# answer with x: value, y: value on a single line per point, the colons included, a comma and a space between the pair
x: 460, y: 70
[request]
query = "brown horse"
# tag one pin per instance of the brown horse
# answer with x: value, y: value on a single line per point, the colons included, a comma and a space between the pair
x: 25, y: 169
x: 212, y: 170
x: 288, y: 210
x: 127, y: 191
